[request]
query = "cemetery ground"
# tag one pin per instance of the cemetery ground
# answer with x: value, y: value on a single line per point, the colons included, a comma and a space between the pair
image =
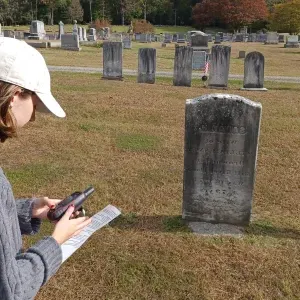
x: 126, y: 139
x: 279, y: 61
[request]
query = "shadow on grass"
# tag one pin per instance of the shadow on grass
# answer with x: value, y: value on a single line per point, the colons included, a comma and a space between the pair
x: 175, y: 224
x: 150, y: 223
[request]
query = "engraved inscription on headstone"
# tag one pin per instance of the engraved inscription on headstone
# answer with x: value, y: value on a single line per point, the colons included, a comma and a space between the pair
x: 199, y: 60
x: 221, y: 142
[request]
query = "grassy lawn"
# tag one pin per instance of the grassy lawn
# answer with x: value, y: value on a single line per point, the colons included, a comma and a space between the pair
x: 127, y: 140
x: 278, y: 60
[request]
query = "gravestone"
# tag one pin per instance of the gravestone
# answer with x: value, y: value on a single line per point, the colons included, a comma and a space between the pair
x: 113, y: 60
x: 147, y: 65
x: 242, y: 54
x: 181, y: 38
x: 9, y: 33
x: 199, y: 60
x: 261, y: 37
x: 220, y: 153
x: 239, y: 38
x: 199, y: 40
x: 19, y: 35
x: 272, y: 38
x: 84, y: 37
x: 217, y: 39
x: 137, y: 37
x: 70, y: 42
x: 116, y: 37
x: 292, y: 42
x: 144, y: 38
x: 127, y: 42
x: 80, y: 33
x: 37, y: 30
x: 75, y: 28
x: 183, y: 66
x: 254, y: 72
x: 167, y: 38
x: 175, y: 38
x: 92, y: 35
x: 149, y: 38
x: 61, y: 29
x: 281, y: 38
x: 163, y: 45
x: 252, y: 38
x: 219, y: 66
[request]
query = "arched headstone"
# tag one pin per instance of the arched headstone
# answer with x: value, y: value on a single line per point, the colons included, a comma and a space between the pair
x: 254, y: 72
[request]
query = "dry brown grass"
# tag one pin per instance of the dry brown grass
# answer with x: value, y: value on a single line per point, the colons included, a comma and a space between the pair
x: 279, y: 61
x: 127, y: 140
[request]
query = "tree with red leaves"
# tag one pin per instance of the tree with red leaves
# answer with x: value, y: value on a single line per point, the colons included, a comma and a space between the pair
x: 233, y: 13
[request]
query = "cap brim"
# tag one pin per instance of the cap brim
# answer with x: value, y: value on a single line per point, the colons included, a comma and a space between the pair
x: 49, y: 104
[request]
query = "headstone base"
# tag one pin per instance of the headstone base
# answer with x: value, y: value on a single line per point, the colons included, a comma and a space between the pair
x: 72, y: 49
x: 291, y: 45
x: 208, y: 229
x: 254, y: 89
x: 113, y: 78
x: 202, y: 49
x: 218, y: 87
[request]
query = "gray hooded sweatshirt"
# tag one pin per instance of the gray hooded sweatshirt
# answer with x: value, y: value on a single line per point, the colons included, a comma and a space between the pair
x: 22, y: 273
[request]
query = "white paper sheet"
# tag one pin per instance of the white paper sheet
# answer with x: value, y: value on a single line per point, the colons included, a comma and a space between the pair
x: 99, y: 220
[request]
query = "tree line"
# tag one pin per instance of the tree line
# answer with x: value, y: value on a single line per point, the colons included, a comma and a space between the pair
x: 228, y: 14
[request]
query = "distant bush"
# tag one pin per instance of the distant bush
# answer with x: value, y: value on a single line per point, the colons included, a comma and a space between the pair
x: 98, y: 24
x: 142, y: 26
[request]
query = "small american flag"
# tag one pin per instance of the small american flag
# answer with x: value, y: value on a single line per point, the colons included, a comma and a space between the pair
x: 206, y: 69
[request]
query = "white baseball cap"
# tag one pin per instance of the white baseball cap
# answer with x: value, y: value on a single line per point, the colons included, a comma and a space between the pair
x: 22, y: 65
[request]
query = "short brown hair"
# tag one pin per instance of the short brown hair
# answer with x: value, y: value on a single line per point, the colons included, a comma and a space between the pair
x: 8, y: 126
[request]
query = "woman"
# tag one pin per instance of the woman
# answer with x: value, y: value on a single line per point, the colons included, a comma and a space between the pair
x: 25, y: 87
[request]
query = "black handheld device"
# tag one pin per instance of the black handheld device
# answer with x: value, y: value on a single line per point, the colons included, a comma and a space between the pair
x: 76, y: 199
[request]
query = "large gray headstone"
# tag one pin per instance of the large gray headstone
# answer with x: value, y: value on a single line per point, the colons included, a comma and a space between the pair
x: 183, y: 66
x: 70, y: 42
x: 254, y: 71
x: 220, y: 152
x: 147, y: 65
x: 113, y: 60
x: 292, y: 42
x: 199, y: 60
x: 37, y: 30
x: 199, y: 40
x: 272, y: 38
x: 219, y: 67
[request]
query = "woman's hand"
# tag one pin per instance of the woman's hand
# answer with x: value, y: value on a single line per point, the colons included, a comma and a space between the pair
x: 66, y: 227
x: 41, y: 206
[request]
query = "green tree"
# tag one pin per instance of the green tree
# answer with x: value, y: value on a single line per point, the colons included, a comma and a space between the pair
x: 76, y: 11
x: 285, y: 17
x: 52, y: 6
